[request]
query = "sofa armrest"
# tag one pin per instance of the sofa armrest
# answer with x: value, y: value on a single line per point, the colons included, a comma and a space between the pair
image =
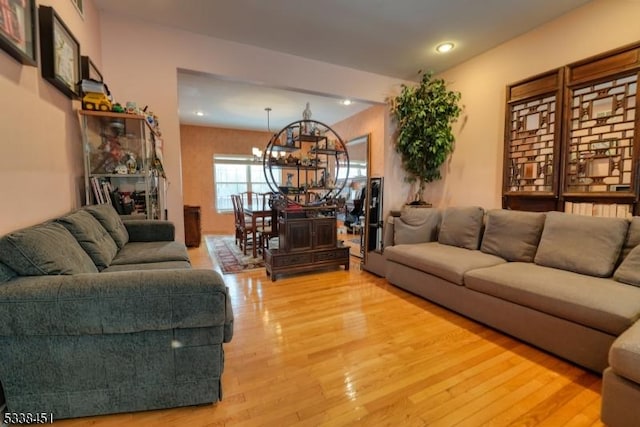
x: 119, y: 302
x: 624, y: 354
x: 150, y: 230
x: 388, y: 232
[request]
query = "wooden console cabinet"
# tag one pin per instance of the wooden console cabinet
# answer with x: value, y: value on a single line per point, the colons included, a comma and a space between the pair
x: 307, y: 241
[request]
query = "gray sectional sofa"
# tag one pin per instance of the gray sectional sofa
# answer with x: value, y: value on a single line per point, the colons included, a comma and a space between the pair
x: 101, y: 316
x: 565, y: 283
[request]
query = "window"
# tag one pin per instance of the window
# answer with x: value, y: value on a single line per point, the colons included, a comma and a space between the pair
x: 234, y: 174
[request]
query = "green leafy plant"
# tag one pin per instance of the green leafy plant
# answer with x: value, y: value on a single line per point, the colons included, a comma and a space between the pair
x: 424, y: 115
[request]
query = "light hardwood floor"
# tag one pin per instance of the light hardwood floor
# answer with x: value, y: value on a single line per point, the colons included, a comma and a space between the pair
x: 347, y: 348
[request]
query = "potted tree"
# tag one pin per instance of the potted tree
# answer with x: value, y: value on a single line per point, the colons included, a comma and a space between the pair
x: 424, y: 114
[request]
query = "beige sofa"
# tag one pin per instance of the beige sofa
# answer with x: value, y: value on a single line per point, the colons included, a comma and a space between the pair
x: 567, y: 284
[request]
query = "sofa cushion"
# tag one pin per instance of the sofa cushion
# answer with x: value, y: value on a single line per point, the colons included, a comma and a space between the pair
x: 416, y: 225
x: 111, y: 222
x: 599, y: 303
x: 583, y: 244
x: 44, y: 249
x: 462, y: 227
x: 624, y: 355
x: 633, y: 237
x: 145, y: 252
x: 92, y: 236
x: 444, y: 261
x: 629, y: 270
x: 6, y: 273
x: 167, y: 265
x: 512, y: 235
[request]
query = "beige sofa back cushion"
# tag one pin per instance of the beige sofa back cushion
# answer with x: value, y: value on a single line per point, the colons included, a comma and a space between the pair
x: 512, y: 235
x: 416, y: 225
x: 582, y: 244
x: 462, y: 227
x: 633, y: 237
x: 629, y: 270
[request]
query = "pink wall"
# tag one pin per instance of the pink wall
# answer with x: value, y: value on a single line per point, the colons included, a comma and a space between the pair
x: 198, y: 145
x: 41, y: 165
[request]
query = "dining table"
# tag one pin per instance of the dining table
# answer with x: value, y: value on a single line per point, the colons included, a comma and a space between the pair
x: 255, y: 215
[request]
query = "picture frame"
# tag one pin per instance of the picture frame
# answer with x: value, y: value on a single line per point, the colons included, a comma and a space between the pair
x: 18, y: 30
x: 79, y: 7
x: 59, y: 52
x: 88, y: 70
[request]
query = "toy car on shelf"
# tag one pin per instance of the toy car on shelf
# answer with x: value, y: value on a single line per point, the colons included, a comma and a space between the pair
x: 96, y: 101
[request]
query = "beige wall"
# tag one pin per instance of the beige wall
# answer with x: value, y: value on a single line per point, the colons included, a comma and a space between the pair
x: 40, y: 150
x: 474, y: 173
x: 198, y: 145
x: 369, y: 121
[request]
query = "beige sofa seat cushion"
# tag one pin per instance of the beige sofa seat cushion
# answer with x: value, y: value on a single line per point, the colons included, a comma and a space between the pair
x: 598, y: 303
x: 512, y: 235
x: 582, y: 244
x: 417, y: 225
x: 624, y: 355
x: 462, y: 227
x: 444, y: 261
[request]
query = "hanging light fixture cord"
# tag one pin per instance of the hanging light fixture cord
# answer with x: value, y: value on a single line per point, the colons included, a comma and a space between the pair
x: 268, y: 110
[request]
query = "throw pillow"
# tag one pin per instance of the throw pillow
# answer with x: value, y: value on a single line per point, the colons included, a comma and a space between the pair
x: 44, y: 249
x: 111, y: 222
x: 462, y: 227
x: 512, y: 235
x: 92, y: 236
x: 416, y: 225
x: 582, y: 244
x: 629, y: 270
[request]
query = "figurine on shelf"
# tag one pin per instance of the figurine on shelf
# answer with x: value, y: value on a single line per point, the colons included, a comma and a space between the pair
x: 290, y: 137
x: 130, y: 161
x: 306, y: 115
x: 132, y: 108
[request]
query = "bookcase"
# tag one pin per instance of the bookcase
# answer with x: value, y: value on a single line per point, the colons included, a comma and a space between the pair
x: 121, y: 163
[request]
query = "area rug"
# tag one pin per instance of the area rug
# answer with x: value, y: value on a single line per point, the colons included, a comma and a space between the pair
x: 229, y: 257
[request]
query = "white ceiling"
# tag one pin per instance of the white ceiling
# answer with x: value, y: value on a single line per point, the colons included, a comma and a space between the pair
x: 389, y: 37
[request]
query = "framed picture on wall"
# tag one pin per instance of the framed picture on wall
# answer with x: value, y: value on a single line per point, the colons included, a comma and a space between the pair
x: 88, y: 70
x: 17, y: 30
x: 59, y: 52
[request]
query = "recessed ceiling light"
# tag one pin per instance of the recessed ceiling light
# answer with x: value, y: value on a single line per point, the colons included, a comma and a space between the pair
x: 346, y: 102
x: 199, y: 113
x: 444, y: 47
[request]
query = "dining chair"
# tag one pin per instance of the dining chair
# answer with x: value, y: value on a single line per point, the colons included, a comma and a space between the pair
x: 244, y: 231
x: 236, y: 217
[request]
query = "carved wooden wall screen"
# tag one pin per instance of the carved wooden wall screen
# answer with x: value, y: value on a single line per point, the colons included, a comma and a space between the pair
x: 570, y: 135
